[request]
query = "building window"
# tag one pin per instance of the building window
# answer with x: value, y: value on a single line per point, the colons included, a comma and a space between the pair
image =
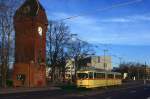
x: 21, y: 77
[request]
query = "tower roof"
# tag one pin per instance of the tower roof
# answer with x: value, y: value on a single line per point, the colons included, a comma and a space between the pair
x: 30, y: 8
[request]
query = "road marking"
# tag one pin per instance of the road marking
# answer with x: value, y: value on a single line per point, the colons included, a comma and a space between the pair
x: 108, y: 98
x: 148, y: 85
x: 78, y: 95
x: 133, y: 91
x: 148, y: 97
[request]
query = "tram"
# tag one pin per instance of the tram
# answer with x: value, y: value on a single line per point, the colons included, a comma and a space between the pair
x: 97, y: 78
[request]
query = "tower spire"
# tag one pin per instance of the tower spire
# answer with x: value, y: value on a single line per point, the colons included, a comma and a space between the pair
x: 30, y: 8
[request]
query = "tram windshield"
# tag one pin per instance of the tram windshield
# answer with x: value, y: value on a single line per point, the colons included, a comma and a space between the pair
x: 82, y: 75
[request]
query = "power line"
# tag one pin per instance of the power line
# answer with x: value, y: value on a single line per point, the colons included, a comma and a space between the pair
x: 107, y: 8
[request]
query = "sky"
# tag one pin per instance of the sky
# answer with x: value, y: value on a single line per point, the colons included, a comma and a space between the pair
x: 121, y: 26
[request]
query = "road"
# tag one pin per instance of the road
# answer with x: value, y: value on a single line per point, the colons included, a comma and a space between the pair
x: 140, y: 92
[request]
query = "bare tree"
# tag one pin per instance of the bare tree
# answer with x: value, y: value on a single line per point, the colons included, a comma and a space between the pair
x: 133, y: 69
x: 78, y: 50
x: 7, y: 10
x: 57, y: 37
x: 62, y: 46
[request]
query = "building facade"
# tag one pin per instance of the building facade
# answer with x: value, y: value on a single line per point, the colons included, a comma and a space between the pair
x: 102, y: 62
x: 70, y: 69
x: 99, y: 62
x: 147, y: 73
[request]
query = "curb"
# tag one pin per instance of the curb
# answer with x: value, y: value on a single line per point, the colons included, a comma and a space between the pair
x: 22, y: 90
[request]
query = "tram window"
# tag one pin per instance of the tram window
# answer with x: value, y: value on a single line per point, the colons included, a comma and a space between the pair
x: 110, y: 76
x: 82, y: 75
x: 118, y: 76
x: 90, y: 74
x: 99, y: 75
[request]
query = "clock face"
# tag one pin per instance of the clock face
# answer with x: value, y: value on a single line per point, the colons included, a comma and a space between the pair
x: 40, y: 30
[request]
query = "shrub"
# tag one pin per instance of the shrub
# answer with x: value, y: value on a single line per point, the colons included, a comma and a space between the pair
x: 9, y: 83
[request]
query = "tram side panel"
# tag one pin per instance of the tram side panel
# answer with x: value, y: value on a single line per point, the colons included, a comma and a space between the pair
x: 98, y: 79
x: 118, y: 79
x: 110, y: 80
x: 83, y: 83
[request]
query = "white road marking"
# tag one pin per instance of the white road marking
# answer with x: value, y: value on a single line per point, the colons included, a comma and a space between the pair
x: 108, y: 98
x: 148, y: 97
x: 133, y: 91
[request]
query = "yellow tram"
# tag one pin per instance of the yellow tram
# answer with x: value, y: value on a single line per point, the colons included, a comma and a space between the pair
x: 97, y: 78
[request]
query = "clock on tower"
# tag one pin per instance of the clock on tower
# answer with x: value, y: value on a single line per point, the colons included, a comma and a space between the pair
x: 40, y: 30
x: 30, y: 23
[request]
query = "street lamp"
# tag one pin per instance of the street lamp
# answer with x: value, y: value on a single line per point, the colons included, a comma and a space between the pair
x: 145, y: 74
x: 120, y: 59
x: 71, y: 68
x: 72, y: 39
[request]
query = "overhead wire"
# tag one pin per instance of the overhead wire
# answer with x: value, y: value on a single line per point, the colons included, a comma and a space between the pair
x: 104, y: 9
x: 107, y: 8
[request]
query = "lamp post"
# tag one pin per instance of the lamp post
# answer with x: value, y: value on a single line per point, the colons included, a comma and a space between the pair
x: 145, y: 74
x: 71, y: 68
x: 120, y: 59
x: 72, y: 39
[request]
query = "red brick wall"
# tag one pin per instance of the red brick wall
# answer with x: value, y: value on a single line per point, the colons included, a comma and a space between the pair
x: 27, y: 39
x: 27, y: 45
x: 35, y: 75
x: 20, y: 69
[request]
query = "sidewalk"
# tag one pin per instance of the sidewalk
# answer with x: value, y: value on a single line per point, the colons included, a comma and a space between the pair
x: 20, y: 90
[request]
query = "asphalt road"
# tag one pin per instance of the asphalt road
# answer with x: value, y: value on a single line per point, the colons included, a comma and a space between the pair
x: 140, y: 92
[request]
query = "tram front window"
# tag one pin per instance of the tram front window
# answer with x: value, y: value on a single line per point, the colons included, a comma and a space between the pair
x: 82, y: 75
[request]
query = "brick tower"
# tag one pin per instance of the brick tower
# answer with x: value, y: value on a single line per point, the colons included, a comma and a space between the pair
x: 30, y: 23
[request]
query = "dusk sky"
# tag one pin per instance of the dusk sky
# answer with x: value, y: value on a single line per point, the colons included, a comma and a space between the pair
x: 122, y: 26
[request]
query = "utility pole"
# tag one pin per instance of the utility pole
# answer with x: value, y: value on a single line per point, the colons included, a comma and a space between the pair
x: 73, y: 66
x: 138, y: 73
x: 120, y: 59
x: 145, y: 74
